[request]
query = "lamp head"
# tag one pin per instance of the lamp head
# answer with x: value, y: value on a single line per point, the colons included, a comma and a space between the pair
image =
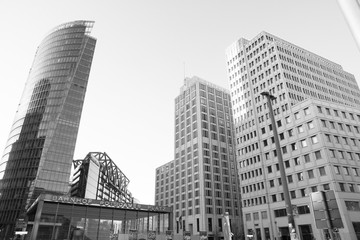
x: 268, y: 94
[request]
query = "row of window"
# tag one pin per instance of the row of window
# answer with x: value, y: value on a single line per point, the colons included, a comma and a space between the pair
x: 336, y: 113
x: 344, y: 155
x: 316, y: 155
x: 340, y: 126
x: 304, y: 209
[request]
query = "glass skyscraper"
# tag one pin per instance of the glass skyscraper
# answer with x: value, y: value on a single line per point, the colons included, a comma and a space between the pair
x: 40, y: 148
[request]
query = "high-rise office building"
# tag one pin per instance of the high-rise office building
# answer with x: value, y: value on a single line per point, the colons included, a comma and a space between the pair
x: 201, y: 183
x: 40, y: 148
x: 317, y: 116
x: 98, y: 177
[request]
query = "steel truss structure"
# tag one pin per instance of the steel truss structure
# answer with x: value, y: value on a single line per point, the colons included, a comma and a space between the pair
x: 111, y: 183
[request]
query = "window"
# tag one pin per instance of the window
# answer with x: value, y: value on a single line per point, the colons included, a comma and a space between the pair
x: 351, y: 187
x: 269, y: 169
x: 326, y: 186
x: 327, y: 111
x: 352, y: 206
x: 271, y: 183
x: 337, y: 139
x: 348, y: 128
x: 293, y: 146
x: 287, y: 164
x: 300, y: 129
x: 336, y: 113
x: 319, y: 109
x: 332, y: 153
x: 281, y: 135
x: 292, y: 194
x: 280, y: 212
x: 248, y: 217
x: 355, y: 171
x: 284, y: 149
x: 273, y: 197
x: 350, y: 156
x: 306, y: 111
x: 356, y: 129
x: 307, y: 158
x: 296, y: 161
x: 310, y: 125
x: 264, y: 215
x: 290, y: 179
x: 263, y: 131
x: 288, y: 119
x: 317, y: 155
x: 337, y: 169
x: 341, y: 126
x: 302, y: 192
x: 327, y: 137
x: 342, y: 187
x: 255, y: 216
x: 314, y: 189
x: 303, y: 143
x: 291, y: 132
x: 310, y: 174
x: 346, y: 171
x: 303, y: 209
x: 314, y: 139
x: 297, y: 115
x: 332, y: 125
x: 323, y: 123
x: 322, y: 171
x: 300, y: 176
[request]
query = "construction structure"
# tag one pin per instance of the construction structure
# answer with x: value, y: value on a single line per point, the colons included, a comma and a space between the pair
x: 97, y: 177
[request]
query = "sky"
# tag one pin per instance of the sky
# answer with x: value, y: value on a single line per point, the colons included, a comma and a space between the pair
x: 144, y: 50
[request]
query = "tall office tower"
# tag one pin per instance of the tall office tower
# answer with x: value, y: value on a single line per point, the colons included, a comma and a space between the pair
x: 317, y: 117
x: 201, y: 184
x: 40, y: 148
x: 98, y: 177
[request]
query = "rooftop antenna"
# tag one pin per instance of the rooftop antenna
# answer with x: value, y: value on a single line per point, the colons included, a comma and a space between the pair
x: 184, y: 70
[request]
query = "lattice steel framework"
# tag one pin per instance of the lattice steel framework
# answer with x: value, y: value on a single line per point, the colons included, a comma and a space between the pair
x: 112, y: 183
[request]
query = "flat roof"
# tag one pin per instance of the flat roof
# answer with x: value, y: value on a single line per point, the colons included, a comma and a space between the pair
x: 99, y: 203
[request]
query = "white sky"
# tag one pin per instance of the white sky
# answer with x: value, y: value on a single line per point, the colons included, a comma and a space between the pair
x: 138, y: 65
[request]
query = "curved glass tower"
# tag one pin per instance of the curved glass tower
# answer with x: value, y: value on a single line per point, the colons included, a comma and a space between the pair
x: 40, y: 148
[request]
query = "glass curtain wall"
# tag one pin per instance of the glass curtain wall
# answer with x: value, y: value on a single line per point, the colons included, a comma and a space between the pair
x: 66, y: 221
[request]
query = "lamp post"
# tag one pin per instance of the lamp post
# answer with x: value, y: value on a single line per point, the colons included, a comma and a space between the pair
x: 288, y: 205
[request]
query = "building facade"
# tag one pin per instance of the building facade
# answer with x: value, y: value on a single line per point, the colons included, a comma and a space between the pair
x: 302, y: 83
x: 201, y: 183
x: 40, y: 148
x: 97, y: 177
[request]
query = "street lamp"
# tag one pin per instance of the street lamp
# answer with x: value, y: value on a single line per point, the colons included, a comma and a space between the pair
x: 288, y: 205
